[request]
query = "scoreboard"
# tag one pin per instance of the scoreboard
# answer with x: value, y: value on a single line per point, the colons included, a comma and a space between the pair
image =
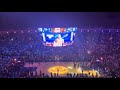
x: 56, y: 30
x: 57, y: 36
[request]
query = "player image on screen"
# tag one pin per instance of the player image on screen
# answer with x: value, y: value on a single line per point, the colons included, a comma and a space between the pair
x: 59, y: 41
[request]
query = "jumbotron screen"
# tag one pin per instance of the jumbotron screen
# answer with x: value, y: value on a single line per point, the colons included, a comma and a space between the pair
x: 57, y: 37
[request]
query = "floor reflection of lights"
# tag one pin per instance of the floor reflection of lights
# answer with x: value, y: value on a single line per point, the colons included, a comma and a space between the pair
x: 89, y: 72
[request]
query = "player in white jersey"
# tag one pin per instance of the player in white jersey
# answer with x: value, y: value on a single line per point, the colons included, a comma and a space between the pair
x: 59, y: 41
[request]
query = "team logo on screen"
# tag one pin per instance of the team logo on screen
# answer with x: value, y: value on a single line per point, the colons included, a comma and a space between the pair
x: 50, y: 36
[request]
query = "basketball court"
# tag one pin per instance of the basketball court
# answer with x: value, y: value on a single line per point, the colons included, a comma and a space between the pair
x: 62, y: 68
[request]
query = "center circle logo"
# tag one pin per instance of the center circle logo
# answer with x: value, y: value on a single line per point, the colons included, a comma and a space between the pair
x: 58, y: 69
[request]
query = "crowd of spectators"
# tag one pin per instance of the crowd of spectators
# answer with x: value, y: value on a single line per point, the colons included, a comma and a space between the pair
x: 100, y: 47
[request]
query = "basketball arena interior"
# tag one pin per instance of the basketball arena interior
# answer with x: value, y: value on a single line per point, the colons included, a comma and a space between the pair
x: 93, y: 53
x: 60, y: 52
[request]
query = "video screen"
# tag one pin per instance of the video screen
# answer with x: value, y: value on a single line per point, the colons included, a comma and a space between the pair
x: 57, y: 37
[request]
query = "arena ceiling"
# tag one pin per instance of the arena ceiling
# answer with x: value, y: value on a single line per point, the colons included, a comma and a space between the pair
x: 57, y: 19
